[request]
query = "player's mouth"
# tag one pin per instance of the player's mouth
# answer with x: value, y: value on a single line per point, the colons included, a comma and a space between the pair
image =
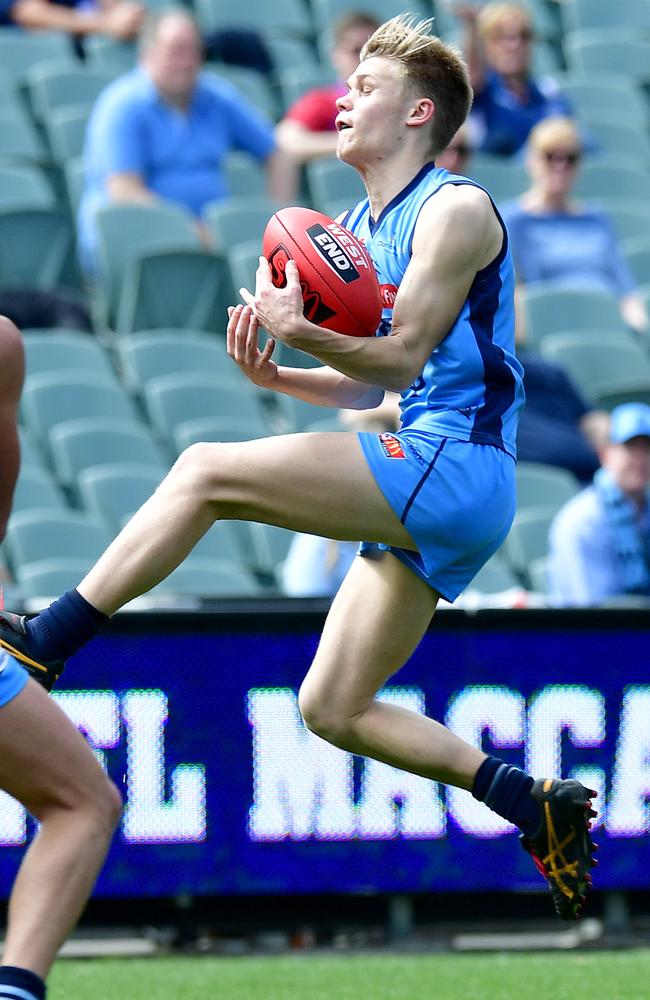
x: 341, y: 125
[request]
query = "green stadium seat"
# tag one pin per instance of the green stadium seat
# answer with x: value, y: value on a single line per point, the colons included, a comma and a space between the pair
x: 281, y: 18
x: 609, y: 94
x: 55, y: 350
x: 36, y: 488
x: 599, y: 179
x: 527, y: 540
x: 578, y: 15
x: 146, y: 355
x: 616, y: 50
x: 549, y: 308
x: 609, y: 371
x: 49, y: 578
x: 55, y: 85
x: 205, y: 578
x: 331, y: 180
x: 238, y: 220
x: 31, y: 454
x: 19, y: 140
x: 73, y: 172
x: 94, y: 443
x: 503, y: 178
x: 294, y: 81
x: 172, y: 399
x: 637, y: 253
x: 33, y: 535
x: 22, y: 50
x: 495, y: 577
x: 37, y: 248
x: 52, y: 398
x: 104, y: 53
x: 287, y: 51
x: 631, y: 219
x: 24, y: 186
x: 114, y: 492
x: 617, y: 137
x: 244, y: 176
x: 252, y: 86
x: 66, y: 132
x: 545, y: 485
x: 190, y: 432
x: 266, y: 547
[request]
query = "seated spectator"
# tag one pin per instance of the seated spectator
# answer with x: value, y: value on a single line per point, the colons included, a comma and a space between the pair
x: 599, y: 542
x: 39, y: 308
x: 557, y: 425
x: 508, y: 100
x: 556, y: 238
x: 120, y: 19
x: 308, y: 129
x: 163, y: 130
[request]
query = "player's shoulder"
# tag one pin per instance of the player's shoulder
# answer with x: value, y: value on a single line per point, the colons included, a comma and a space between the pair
x: 460, y: 208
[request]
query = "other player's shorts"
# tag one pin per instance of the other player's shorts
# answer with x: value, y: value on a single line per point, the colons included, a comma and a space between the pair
x: 13, y: 678
x: 455, y: 498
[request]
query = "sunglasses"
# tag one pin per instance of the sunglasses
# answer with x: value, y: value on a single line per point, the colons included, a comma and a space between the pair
x: 514, y: 36
x: 555, y: 156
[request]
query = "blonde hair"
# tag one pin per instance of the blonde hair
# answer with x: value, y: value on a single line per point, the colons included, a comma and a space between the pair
x: 551, y: 132
x: 495, y: 16
x: 430, y: 66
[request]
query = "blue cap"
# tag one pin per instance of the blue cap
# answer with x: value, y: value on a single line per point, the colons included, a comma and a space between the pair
x: 628, y: 421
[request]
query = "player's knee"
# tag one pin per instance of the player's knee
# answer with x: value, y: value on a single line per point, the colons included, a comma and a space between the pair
x: 202, y: 467
x: 322, y: 718
x: 102, y: 805
x: 112, y: 805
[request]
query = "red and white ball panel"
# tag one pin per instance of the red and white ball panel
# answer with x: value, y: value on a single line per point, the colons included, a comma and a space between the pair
x: 339, y: 284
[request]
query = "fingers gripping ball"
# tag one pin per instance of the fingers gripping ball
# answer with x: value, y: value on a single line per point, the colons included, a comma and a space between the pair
x: 339, y: 284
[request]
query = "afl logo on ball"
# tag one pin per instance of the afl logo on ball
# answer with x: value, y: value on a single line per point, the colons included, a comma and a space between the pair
x: 332, y: 253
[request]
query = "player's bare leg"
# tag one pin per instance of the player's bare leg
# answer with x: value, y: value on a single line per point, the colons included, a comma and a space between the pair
x: 317, y: 483
x: 376, y: 620
x: 47, y: 765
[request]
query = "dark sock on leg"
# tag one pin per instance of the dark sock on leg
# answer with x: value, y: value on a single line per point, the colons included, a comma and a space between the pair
x: 20, y: 983
x: 506, y: 790
x: 64, y: 627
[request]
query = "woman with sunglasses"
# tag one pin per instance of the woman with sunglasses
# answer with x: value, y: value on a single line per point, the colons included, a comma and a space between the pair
x: 508, y: 100
x: 556, y: 238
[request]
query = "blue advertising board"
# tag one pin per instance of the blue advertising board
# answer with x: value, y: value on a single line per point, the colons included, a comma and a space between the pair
x: 226, y: 792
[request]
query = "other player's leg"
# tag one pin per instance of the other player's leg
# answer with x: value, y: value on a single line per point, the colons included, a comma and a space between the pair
x: 47, y: 765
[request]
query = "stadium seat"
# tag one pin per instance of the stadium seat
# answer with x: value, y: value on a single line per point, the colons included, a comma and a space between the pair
x: 146, y: 355
x: 266, y: 547
x: 247, y: 428
x: 620, y: 138
x: 283, y: 17
x: 238, y: 220
x: 33, y: 535
x: 294, y: 81
x: 24, y: 186
x: 114, y: 492
x: 495, y: 577
x: 49, y: 578
x: 37, y: 248
x: 221, y: 542
x: 599, y: 179
x: 637, y: 253
x: 549, y: 308
x: 104, y: 53
x: 127, y: 231
x: 251, y: 85
x: 607, y: 370
x: 631, y: 219
x: 66, y: 132
x: 287, y: 51
x: 22, y: 50
x: 19, y: 140
x: 609, y: 95
x: 52, y: 398
x: 244, y: 176
x: 504, y: 179
x: 36, y: 488
x: 73, y: 172
x: 331, y: 180
x: 171, y: 286
x: 243, y: 259
x: 55, y: 85
x: 93, y: 443
x: 528, y: 540
x: 578, y: 15
x: 608, y: 50
x: 545, y: 485
x: 538, y: 574
x: 173, y: 399
x: 55, y: 350
x: 31, y: 454
x: 207, y: 578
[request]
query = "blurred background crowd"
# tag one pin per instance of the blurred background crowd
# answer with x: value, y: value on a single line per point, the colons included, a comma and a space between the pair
x: 142, y: 150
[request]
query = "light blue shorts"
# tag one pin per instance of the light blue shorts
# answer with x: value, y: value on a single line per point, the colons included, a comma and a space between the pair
x: 13, y: 678
x: 455, y: 498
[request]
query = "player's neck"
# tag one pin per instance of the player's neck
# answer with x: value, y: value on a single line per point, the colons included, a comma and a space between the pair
x: 384, y: 180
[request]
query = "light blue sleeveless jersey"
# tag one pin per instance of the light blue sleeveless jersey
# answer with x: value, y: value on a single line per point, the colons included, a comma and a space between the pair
x: 471, y: 388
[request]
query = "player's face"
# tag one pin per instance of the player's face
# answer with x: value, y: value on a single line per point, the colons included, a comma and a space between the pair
x: 372, y: 116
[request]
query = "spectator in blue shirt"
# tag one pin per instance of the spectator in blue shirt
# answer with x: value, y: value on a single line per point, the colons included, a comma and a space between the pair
x: 599, y: 542
x: 508, y: 101
x: 555, y: 238
x: 164, y: 129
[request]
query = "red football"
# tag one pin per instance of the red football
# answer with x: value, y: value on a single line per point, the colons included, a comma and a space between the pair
x: 338, y: 280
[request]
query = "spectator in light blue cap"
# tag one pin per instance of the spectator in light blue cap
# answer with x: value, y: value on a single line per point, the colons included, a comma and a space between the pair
x: 599, y: 542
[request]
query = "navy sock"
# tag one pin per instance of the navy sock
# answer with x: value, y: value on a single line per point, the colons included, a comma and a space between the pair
x: 20, y: 984
x: 506, y: 790
x: 64, y: 627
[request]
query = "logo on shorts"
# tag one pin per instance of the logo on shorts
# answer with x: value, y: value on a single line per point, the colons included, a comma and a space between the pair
x: 391, y: 446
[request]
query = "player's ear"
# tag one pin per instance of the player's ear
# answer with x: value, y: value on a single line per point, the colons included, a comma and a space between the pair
x: 421, y: 112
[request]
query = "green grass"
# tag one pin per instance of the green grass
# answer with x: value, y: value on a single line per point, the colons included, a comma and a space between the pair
x: 621, y: 975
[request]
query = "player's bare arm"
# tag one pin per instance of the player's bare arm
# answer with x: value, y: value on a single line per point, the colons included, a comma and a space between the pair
x: 457, y: 235
x: 321, y: 386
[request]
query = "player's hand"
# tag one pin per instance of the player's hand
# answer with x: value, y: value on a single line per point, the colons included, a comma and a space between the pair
x: 242, y: 343
x: 279, y: 310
